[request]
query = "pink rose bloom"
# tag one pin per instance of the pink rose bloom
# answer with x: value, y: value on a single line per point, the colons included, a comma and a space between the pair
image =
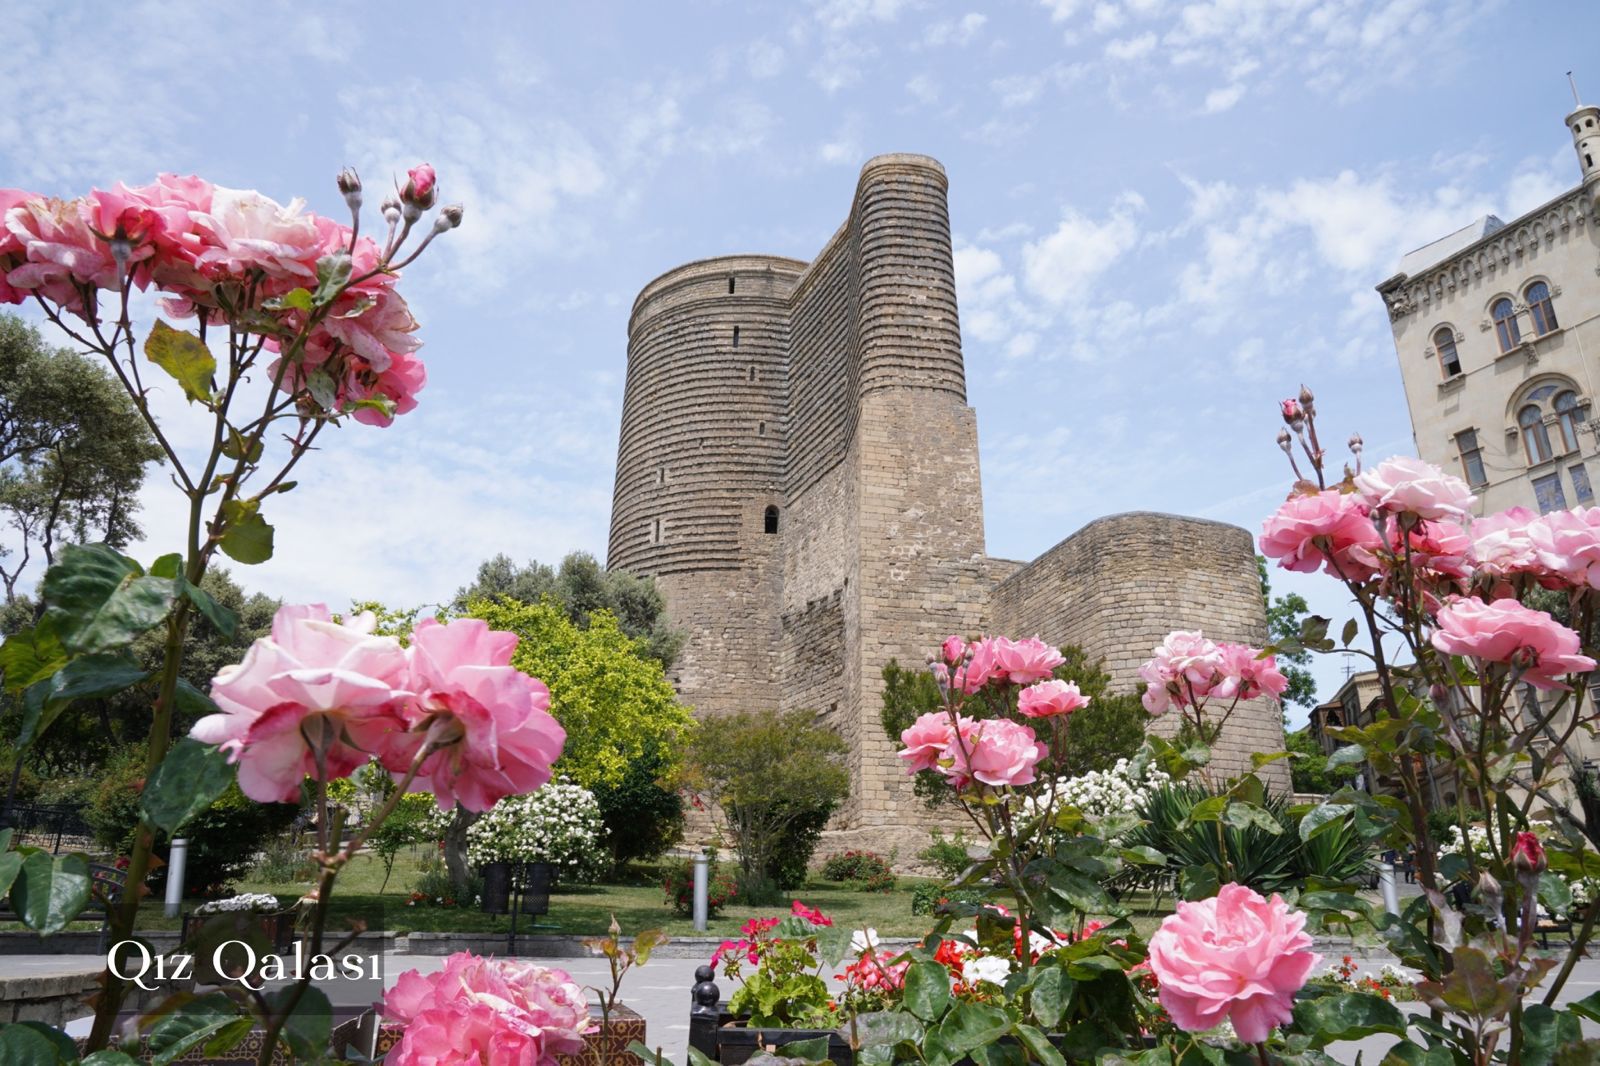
x: 1503, y: 543
x: 1235, y: 957
x: 1410, y: 486
x: 247, y: 231
x: 1507, y: 632
x: 1000, y: 753
x: 927, y: 739
x: 1050, y: 698
x: 60, y: 249
x: 1441, y: 547
x: 1023, y: 662
x: 420, y: 182
x: 1327, y: 530
x: 484, y: 1010
x: 953, y: 649
x: 399, y: 384
x: 310, y: 668
x: 1184, y: 667
x: 1246, y: 674
x: 981, y: 668
x: 1568, y: 545
x: 383, y: 328
x: 506, y: 738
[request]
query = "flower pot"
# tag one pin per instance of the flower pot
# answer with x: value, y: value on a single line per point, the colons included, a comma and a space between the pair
x: 607, y: 1046
x: 736, y: 1043
x: 276, y: 926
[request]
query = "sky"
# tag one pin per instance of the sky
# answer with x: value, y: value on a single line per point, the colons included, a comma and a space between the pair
x: 1167, y: 216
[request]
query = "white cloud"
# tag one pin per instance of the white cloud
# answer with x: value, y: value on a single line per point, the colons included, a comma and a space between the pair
x: 1219, y: 100
x: 1062, y: 266
x: 924, y: 88
x: 955, y: 31
x: 1107, y: 17
x: 1060, y: 10
x: 1126, y: 49
x: 845, y: 146
x: 764, y: 59
x: 836, y: 15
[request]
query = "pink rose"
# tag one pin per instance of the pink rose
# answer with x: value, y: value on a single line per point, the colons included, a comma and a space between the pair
x: 1183, y: 668
x: 1050, y: 698
x: 953, y: 649
x: 310, y: 676
x: 247, y: 231
x: 1503, y: 543
x: 1568, y: 545
x: 982, y: 667
x: 1246, y: 674
x: 465, y: 687
x: 1292, y: 414
x: 1527, y: 854
x: 999, y: 753
x: 478, y: 1010
x: 1328, y: 530
x: 1023, y: 662
x: 1403, y: 485
x: 421, y: 188
x: 927, y: 738
x: 1235, y: 957
x: 1505, y: 631
x: 60, y: 250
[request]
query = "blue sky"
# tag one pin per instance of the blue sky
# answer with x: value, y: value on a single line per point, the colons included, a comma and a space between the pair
x: 1167, y: 216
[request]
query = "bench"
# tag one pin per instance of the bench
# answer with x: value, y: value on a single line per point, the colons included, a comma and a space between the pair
x: 106, y: 886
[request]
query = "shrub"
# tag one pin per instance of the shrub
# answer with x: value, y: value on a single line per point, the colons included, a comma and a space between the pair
x: 929, y: 894
x: 758, y: 890
x: 1335, y: 855
x: 559, y: 824
x: 283, y: 860
x: 643, y: 817
x: 866, y: 871
x: 223, y: 840
x: 677, y: 881
x: 947, y: 855
x: 788, y: 866
x: 1263, y: 860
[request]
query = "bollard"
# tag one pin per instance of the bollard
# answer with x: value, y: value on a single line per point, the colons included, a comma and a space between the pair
x: 1391, y: 902
x: 702, y: 870
x: 175, y: 864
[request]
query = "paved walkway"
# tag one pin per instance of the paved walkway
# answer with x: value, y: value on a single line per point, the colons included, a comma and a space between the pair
x: 660, y: 992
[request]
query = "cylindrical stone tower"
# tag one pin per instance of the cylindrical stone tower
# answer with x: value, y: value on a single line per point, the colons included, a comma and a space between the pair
x: 700, y: 463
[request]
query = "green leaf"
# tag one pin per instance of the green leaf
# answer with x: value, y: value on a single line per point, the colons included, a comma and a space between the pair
x: 1082, y: 892
x: 1143, y: 855
x: 887, y: 1028
x: 35, y: 1044
x: 188, y: 781
x: 1554, y: 893
x: 323, y: 389
x: 224, y: 621
x: 1351, y: 628
x: 294, y: 299
x: 1050, y: 995
x: 971, y: 1025
x: 97, y: 600
x: 29, y: 656
x: 1207, y: 810
x: 191, y: 701
x: 1347, y: 755
x: 229, y: 1036
x: 246, y: 538
x: 1587, y: 1007
x: 833, y: 943
x: 1347, y: 1016
x: 811, y: 1049
x: 1199, y: 881
x: 190, y: 1025
x: 183, y: 356
x: 333, y: 273
x: 238, y: 446
x: 50, y: 891
x: 927, y: 989
x: 1322, y: 818
x: 83, y: 678
x: 310, y: 1023
x: 1039, y: 1045
x: 1244, y: 815
x: 169, y: 565
x: 110, y: 1058
x: 1409, y: 1054
x: 1546, y: 1031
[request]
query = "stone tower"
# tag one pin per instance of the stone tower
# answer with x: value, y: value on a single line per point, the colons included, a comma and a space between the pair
x: 798, y: 468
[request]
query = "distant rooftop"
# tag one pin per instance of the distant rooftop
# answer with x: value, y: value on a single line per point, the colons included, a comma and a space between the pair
x: 1438, y: 251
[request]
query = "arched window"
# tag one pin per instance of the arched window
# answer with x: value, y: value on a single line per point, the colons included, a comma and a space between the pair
x: 1444, y: 342
x: 1568, y: 415
x: 1540, y: 308
x: 1504, y: 314
x: 1535, y: 441
x: 770, y: 521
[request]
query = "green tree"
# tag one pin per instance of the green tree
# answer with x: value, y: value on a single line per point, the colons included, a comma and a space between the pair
x: 767, y: 773
x: 581, y: 587
x: 626, y: 730
x: 73, y: 452
x: 1309, y: 767
x: 1284, y: 616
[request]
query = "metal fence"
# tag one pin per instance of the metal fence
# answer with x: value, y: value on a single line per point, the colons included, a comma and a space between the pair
x: 46, y: 825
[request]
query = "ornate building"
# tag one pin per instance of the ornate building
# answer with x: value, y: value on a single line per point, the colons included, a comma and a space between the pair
x: 798, y: 468
x: 1497, y: 327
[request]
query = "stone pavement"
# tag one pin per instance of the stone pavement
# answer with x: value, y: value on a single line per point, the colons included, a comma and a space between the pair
x: 660, y: 992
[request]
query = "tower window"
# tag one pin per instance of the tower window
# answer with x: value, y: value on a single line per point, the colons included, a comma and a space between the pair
x: 1471, y: 458
x: 1504, y: 314
x: 769, y: 521
x: 1568, y: 415
x: 761, y: 429
x: 655, y: 531
x: 1540, y: 307
x: 1535, y: 439
x: 1444, y: 342
x: 752, y: 373
x: 736, y: 336
x: 730, y: 286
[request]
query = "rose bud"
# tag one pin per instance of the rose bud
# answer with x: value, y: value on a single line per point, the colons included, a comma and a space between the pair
x: 954, y: 648
x: 1306, y: 399
x: 391, y: 210
x: 1527, y: 855
x: 349, y: 183
x: 449, y: 217
x: 1292, y: 414
x: 1355, y: 444
x: 1285, y: 441
x: 420, y: 192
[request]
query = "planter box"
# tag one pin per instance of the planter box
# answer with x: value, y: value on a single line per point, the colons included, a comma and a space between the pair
x: 276, y: 926
x: 737, y: 1043
x: 607, y: 1047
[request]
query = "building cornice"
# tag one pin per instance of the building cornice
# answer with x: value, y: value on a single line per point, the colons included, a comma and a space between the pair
x: 1572, y: 211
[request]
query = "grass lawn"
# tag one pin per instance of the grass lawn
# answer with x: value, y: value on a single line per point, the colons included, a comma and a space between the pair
x: 584, y: 910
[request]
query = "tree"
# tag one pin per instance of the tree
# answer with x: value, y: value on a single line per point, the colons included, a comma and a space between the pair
x: 626, y: 730
x: 581, y: 587
x: 1284, y: 616
x: 73, y: 452
x: 767, y: 772
x: 1309, y: 767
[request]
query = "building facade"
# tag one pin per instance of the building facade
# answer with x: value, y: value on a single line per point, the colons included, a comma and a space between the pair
x: 1497, y: 328
x: 798, y: 469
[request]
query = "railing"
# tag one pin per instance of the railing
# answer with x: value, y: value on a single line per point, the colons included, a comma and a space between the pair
x: 45, y: 821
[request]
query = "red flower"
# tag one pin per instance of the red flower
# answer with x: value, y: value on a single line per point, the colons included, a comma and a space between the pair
x: 815, y: 917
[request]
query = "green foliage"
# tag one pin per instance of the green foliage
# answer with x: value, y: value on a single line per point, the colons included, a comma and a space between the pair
x: 677, y: 882
x: 223, y: 838
x: 581, y: 588
x: 947, y: 855
x: 410, y: 823
x: 1310, y: 768
x: 1249, y: 854
x: 643, y: 815
x: 73, y: 452
x: 865, y: 871
x: 927, y: 896
x: 608, y: 694
x: 775, y: 777
x: 1285, y: 615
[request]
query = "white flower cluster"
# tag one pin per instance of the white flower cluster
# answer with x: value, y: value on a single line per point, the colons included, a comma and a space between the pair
x: 1100, y: 793
x: 559, y: 824
x: 250, y: 901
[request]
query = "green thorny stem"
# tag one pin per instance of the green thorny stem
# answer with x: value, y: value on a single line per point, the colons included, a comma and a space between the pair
x: 204, y: 537
x: 333, y: 858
